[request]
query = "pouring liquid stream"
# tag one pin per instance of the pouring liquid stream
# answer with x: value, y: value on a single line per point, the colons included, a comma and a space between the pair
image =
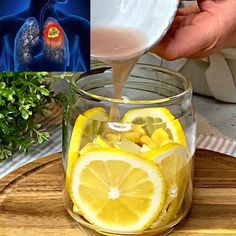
x: 119, y: 48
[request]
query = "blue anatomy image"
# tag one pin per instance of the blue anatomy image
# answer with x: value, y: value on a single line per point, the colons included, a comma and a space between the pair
x: 46, y: 35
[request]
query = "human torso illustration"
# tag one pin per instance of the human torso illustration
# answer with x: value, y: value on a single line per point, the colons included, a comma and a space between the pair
x: 51, y: 41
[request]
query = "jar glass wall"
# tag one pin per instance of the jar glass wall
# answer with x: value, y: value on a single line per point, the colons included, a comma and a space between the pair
x: 131, y: 175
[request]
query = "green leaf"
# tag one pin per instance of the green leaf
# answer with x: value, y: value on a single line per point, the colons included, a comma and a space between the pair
x: 24, y: 114
x: 24, y: 99
x: 43, y: 91
x: 2, y: 85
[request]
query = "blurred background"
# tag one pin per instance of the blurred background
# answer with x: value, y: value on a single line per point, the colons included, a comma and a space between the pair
x: 74, y: 7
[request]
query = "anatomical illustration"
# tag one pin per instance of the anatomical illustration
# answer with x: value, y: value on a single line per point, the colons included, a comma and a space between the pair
x: 45, y: 37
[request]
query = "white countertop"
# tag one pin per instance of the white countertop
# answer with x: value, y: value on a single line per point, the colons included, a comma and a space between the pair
x: 215, y: 117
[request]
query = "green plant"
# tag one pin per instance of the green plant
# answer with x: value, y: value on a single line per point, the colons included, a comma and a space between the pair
x: 24, y: 100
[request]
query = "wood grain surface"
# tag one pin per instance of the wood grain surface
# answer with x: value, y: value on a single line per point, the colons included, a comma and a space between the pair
x: 31, y: 199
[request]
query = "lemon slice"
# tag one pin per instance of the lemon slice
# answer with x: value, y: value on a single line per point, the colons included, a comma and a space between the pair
x: 86, y: 127
x: 156, y: 118
x: 117, y: 191
x: 175, y: 163
x: 97, y: 113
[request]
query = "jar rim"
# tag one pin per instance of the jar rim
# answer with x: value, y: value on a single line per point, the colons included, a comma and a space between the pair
x: 103, y: 68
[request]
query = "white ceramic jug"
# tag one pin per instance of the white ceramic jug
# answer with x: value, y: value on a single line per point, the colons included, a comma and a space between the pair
x: 151, y: 17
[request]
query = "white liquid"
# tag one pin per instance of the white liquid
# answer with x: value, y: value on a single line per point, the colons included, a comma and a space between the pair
x: 120, y: 48
x: 116, y: 44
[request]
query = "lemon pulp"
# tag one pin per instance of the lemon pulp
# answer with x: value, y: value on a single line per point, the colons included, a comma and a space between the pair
x: 116, y: 190
x: 157, y: 118
x: 175, y: 163
x: 132, y: 180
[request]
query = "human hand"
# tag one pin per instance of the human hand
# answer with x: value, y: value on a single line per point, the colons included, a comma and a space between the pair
x: 200, y: 30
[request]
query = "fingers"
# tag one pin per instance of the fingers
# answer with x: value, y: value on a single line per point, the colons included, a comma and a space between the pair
x: 186, y: 41
x: 200, y: 30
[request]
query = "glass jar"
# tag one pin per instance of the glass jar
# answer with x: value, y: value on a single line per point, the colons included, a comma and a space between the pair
x: 132, y: 175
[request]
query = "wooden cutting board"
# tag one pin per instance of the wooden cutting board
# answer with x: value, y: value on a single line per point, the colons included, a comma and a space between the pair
x: 31, y: 199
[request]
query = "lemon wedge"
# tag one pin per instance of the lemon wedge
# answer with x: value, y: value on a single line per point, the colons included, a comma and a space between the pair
x: 85, y: 128
x: 133, y: 136
x: 111, y: 138
x: 156, y: 118
x: 128, y: 146
x: 161, y: 137
x: 117, y: 191
x: 101, y: 142
x: 145, y: 139
x: 174, y: 161
x: 145, y: 148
